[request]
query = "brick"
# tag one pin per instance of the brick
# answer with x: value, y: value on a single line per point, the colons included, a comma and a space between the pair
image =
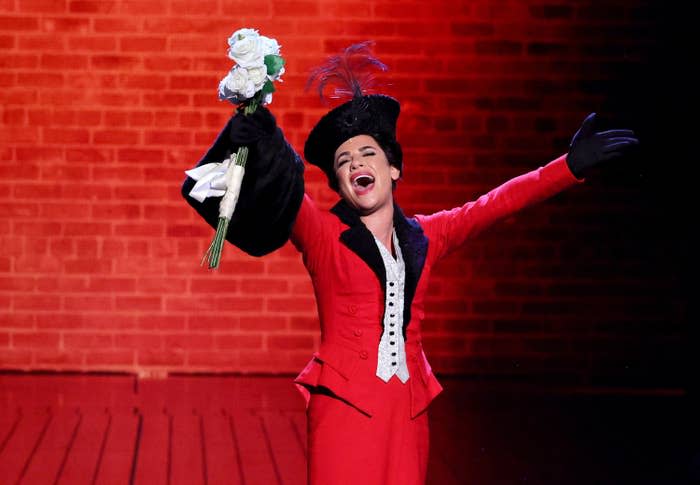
x: 551, y: 11
x: 35, y: 340
x: 212, y: 322
x: 64, y: 62
x: 142, y: 44
x: 86, y: 266
x: 187, y: 8
x: 267, y: 286
x: 187, y: 341
x: 92, y: 6
x: 13, y: 23
x: 23, y: 284
x: 160, y: 357
x: 87, y: 340
x: 116, y: 137
x: 15, y: 320
x: 290, y: 342
x: 138, y: 341
x: 263, y: 323
x: 163, y: 322
x: 292, y: 305
x: 121, y: 358
x: 61, y: 284
x: 15, y: 359
x: 88, y: 303
x: 115, y: 62
x: 92, y: 43
x: 208, y: 360
x: 239, y: 341
x: 213, y: 285
x: 87, y: 229
x: 65, y: 135
x: 140, y: 155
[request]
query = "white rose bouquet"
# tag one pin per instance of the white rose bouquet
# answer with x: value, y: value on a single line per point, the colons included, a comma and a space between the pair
x: 248, y: 84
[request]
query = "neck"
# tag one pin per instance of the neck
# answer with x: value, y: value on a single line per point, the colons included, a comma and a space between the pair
x: 381, y: 224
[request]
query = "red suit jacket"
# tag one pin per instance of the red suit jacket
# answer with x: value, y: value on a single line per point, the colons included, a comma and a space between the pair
x: 348, y: 277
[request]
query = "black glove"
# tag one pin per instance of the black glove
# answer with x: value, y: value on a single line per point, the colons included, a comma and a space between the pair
x: 589, y: 148
x: 247, y: 129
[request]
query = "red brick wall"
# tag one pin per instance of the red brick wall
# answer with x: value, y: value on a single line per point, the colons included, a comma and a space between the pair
x: 106, y: 102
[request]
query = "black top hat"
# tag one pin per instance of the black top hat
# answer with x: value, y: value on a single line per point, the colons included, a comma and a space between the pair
x: 371, y: 114
x: 352, y: 74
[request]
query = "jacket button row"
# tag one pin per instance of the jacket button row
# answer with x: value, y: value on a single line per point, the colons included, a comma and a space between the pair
x: 363, y: 354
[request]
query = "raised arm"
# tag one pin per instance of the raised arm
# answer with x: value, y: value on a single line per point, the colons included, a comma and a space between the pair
x: 272, y: 188
x: 448, y: 229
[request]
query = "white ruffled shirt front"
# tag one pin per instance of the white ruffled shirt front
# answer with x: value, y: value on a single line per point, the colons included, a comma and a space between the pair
x: 391, y: 358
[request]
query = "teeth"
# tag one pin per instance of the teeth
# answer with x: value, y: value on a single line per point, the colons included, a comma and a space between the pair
x: 363, y: 180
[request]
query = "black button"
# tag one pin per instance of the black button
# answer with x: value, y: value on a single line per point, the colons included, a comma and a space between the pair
x: 393, y: 353
x: 391, y: 303
x: 391, y: 294
x: 392, y: 315
x: 391, y: 324
x: 391, y: 283
x: 391, y: 333
x: 393, y: 363
x: 391, y: 343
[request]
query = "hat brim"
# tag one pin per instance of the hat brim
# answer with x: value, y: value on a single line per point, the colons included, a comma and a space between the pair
x: 374, y: 114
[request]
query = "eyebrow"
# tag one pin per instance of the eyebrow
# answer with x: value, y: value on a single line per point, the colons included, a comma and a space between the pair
x: 364, y: 148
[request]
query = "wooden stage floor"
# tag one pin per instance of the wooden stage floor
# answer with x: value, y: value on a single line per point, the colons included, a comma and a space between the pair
x: 111, y: 429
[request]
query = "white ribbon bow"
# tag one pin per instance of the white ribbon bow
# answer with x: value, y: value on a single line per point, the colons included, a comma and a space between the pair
x: 216, y: 180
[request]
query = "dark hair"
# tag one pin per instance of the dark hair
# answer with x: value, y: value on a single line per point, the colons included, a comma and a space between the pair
x: 394, y: 155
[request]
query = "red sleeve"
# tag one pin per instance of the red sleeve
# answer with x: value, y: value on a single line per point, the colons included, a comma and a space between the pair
x: 309, y: 232
x: 447, y: 230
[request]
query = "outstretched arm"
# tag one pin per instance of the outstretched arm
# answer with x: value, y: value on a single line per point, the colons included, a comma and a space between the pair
x: 272, y: 188
x: 449, y: 229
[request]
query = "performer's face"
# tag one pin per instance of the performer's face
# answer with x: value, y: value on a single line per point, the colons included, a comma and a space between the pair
x: 364, y: 174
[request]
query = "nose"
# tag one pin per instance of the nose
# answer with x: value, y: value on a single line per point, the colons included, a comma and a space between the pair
x: 356, y: 163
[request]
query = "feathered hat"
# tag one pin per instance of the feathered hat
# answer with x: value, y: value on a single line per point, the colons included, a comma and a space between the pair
x: 352, y: 74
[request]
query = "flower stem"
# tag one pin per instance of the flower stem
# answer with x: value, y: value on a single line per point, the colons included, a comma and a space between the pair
x: 213, y: 254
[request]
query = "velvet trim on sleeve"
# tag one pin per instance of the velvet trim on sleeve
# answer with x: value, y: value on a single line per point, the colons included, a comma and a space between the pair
x: 272, y: 190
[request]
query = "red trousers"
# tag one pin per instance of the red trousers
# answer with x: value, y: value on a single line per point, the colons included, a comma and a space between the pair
x: 347, y: 447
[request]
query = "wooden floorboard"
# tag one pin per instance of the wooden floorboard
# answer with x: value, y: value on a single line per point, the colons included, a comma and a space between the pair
x: 21, y: 448
x: 81, y: 462
x: 187, y: 466
x: 116, y: 430
x: 117, y: 455
x: 49, y: 457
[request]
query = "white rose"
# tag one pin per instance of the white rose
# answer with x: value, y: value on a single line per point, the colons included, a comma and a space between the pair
x: 236, y: 86
x: 242, y: 34
x: 270, y: 46
x: 258, y: 76
x: 247, y: 52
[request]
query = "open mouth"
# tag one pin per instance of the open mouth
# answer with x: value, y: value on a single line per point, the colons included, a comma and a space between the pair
x: 363, y: 180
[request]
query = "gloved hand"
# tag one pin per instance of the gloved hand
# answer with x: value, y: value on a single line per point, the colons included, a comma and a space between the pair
x: 247, y: 129
x: 589, y: 148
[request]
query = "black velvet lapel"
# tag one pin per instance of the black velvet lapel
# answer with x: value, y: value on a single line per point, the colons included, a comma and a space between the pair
x: 358, y: 238
x: 414, y: 248
x: 413, y: 243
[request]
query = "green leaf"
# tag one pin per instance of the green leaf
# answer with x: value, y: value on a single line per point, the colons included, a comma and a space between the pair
x: 268, y: 87
x: 273, y: 63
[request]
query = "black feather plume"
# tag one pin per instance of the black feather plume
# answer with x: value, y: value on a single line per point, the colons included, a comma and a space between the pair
x: 351, y: 73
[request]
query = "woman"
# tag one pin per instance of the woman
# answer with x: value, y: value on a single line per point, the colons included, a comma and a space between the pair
x: 368, y: 387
